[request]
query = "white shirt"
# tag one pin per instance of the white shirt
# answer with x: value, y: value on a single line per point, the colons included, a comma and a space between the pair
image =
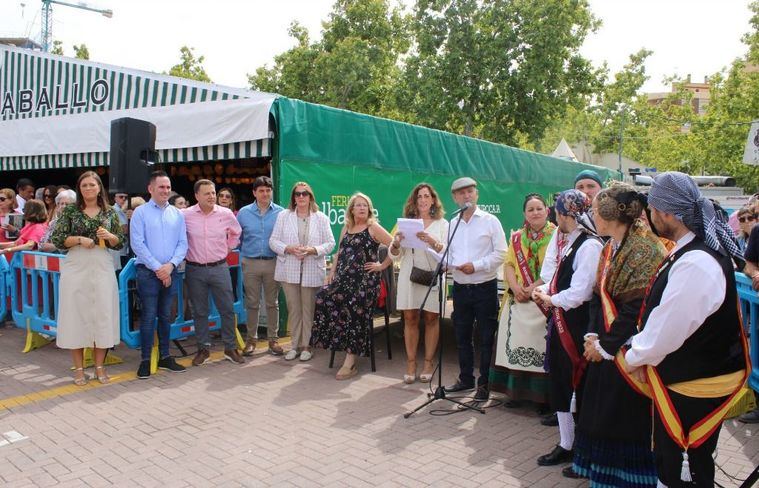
x: 549, y: 261
x: 695, y: 289
x: 584, y: 269
x: 20, y: 202
x: 482, y: 242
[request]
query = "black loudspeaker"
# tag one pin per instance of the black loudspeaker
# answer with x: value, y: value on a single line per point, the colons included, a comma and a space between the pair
x: 132, y: 155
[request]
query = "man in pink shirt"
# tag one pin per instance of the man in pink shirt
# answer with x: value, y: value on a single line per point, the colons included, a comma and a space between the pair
x: 212, y: 231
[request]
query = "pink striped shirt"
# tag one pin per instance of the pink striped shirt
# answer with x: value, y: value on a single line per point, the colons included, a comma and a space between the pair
x: 210, y: 236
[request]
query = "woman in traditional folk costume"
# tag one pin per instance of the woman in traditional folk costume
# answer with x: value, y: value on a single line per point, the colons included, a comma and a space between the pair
x: 521, y: 346
x: 613, y: 443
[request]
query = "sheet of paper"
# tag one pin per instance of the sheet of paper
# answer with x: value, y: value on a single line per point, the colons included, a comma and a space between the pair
x: 409, y: 228
x: 438, y: 256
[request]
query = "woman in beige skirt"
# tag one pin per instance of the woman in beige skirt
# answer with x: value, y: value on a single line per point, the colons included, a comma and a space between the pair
x: 88, y: 305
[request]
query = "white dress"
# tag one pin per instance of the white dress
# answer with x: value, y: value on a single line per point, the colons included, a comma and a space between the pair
x: 88, y: 308
x: 410, y: 295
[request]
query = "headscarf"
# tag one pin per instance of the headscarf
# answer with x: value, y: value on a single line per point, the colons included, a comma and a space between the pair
x: 588, y: 174
x: 677, y: 194
x: 576, y: 204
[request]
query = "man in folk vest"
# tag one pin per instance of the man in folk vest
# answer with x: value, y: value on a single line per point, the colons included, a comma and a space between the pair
x: 691, y: 349
x: 568, y: 295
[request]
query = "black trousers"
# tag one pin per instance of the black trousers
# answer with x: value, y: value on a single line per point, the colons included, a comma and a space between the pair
x: 669, y: 456
x: 475, y: 302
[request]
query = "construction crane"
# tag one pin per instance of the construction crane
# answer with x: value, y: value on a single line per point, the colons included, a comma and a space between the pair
x: 47, y: 18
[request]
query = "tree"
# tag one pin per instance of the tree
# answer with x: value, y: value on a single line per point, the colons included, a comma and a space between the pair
x: 500, y: 70
x: 57, y: 48
x: 81, y: 51
x: 190, y: 66
x: 355, y: 64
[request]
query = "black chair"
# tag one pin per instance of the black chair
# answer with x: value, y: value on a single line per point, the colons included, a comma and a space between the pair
x: 386, y: 313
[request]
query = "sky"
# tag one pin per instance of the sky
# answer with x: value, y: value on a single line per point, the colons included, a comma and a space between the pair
x: 696, y: 37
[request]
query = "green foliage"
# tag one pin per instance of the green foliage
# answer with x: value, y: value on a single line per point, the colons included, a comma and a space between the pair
x: 57, y: 48
x: 190, y: 66
x: 81, y: 51
x: 497, y: 69
x: 353, y: 66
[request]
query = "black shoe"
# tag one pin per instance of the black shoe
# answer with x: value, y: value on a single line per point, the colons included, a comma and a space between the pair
x: 568, y: 472
x: 550, y: 420
x: 482, y: 395
x: 143, y: 372
x: 169, y: 364
x: 459, y: 386
x: 751, y: 417
x: 557, y: 456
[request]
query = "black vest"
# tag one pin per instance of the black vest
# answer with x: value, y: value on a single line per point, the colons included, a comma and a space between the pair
x: 716, y: 347
x: 577, y: 317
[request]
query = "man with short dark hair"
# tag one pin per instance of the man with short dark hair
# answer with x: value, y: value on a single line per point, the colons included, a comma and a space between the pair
x: 690, y: 349
x: 258, y: 262
x: 24, y: 192
x: 212, y: 232
x: 159, y: 240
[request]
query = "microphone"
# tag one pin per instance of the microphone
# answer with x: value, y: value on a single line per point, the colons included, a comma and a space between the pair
x: 463, y: 208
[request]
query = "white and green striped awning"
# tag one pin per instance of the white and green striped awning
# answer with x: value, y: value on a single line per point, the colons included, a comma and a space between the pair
x: 55, y: 112
x: 221, y: 152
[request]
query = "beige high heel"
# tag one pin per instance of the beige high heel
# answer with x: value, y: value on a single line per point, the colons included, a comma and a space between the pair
x: 427, y: 373
x: 346, y: 373
x: 410, y: 378
x: 102, y: 377
x: 80, y: 381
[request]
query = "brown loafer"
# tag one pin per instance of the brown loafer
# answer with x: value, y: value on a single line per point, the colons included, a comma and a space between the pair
x: 250, y: 348
x: 201, y: 357
x: 234, y: 356
x: 346, y: 373
x: 275, y: 349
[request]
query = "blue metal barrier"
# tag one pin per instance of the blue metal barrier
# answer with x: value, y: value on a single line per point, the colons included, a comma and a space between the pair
x: 5, y: 287
x: 749, y: 300
x: 34, y: 278
x: 182, y: 327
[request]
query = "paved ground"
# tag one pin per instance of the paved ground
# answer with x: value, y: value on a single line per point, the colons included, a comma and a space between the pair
x: 267, y: 423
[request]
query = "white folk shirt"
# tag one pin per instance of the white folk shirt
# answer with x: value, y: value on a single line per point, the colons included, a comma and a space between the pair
x: 482, y: 242
x: 549, y: 260
x: 584, y: 269
x: 695, y: 289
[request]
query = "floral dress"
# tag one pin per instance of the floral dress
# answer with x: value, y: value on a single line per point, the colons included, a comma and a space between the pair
x: 345, y: 308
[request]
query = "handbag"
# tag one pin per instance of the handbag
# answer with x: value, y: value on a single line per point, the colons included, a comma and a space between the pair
x: 420, y: 276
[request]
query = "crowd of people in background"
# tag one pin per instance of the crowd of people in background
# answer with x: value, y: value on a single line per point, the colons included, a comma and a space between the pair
x: 616, y: 301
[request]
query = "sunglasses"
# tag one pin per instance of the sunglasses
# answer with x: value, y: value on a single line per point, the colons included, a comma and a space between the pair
x: 47, y: 195
x: 747, y: 218
x: 301, y: 193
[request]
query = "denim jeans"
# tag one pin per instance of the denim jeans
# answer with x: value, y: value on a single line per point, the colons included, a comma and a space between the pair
x: 156, y: 304
x: 475, y: 302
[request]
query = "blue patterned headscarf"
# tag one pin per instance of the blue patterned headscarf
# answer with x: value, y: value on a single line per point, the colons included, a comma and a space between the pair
x: 575, y: 203
x: 677, y: 194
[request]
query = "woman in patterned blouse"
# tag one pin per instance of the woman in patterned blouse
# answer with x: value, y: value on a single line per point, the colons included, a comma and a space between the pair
x: 88, y: 305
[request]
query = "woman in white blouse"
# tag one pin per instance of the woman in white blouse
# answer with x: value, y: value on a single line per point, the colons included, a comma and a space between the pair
x: 423, y: 203
x: 301, y: 238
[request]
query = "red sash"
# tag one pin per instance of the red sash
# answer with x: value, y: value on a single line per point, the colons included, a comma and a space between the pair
x: 524, y: 270
x: 567, y: 342
x: 705, y: 427
x: 609, y: 312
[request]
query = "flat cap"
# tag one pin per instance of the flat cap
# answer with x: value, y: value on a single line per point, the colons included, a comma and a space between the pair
x: 464, y: 182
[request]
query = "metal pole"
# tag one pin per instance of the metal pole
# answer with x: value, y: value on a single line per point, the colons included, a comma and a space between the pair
x: 621, y: 135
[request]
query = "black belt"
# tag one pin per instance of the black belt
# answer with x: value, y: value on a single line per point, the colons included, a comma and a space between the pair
x: 263, y: 258
x: 207, y: 265
x: 474, y: 285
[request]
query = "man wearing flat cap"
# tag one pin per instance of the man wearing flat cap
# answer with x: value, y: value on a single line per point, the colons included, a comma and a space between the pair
x: 477, y: 251
x: 691, y: 349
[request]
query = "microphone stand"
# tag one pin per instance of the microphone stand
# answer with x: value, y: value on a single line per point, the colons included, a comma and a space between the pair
x: 439, y: 393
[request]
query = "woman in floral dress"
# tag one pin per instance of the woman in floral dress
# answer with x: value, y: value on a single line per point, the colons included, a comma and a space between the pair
x: 345, y: 306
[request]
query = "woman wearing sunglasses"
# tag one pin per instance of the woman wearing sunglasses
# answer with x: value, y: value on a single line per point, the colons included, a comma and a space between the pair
x: 746, y: 222
x: 301, y: 238
x: 7, y: 202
